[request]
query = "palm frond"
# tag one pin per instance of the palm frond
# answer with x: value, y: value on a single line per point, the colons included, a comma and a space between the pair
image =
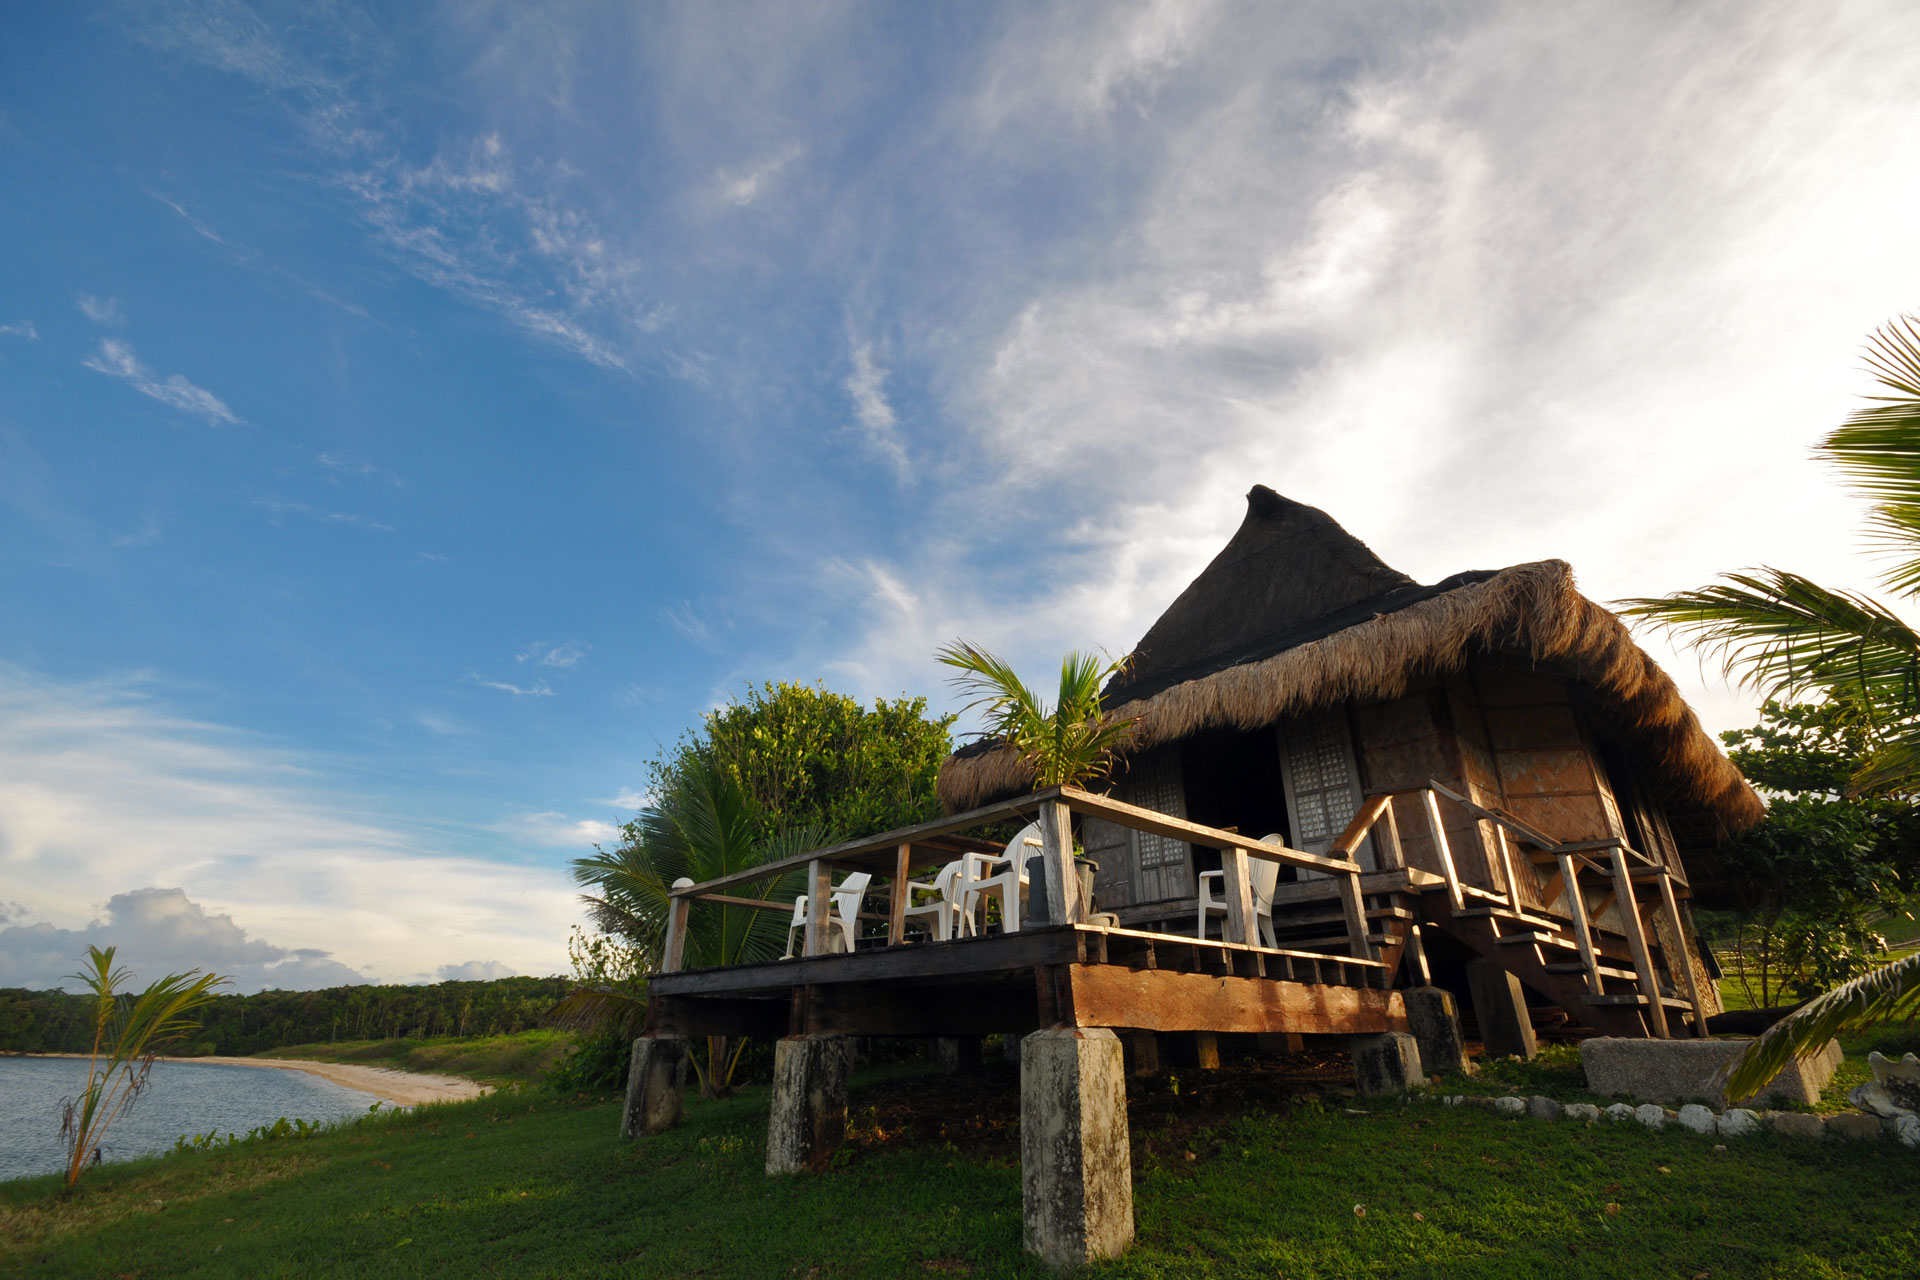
x: 1887, y: 992
x: 594, y: 1008
x: 1070, y: 742
x: 1893, y: 769
x: 1879, y: 450
x: 1787, y: 635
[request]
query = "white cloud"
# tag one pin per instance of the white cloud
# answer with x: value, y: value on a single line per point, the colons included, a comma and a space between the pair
x: 627, y: 798
x: 24, y: 330
x: 538, y: 689
x: 691, y: 621
x: 161, y: 931
x: 107, y: 311
x: 101, y: 786
x: 358, y: 467
x: 741, y: 187
x: 564, y: 656
x: 866, y: 386
x: 553, y: 830
x: 284, y: 507
x: 475, y: 971
x: 117, y: 360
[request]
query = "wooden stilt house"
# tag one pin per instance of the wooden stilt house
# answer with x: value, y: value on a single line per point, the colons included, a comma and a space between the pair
x: 1540, y: 781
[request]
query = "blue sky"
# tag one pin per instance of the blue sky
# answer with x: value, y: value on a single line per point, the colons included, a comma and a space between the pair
x: 412, y: 415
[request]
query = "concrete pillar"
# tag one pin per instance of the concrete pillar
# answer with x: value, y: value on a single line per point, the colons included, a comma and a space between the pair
x: 957, y: 1053
x: 1076, y: 1168
x: 1142, y: 1052
x: 1435, y: 1024
x: 1387, y: 1063
x: 656, y: 1085
x: 1010, y: 1048
x: 1501, y: 1009
x: 808, y: 1121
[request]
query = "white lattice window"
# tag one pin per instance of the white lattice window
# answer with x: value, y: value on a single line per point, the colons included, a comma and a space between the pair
x: 1322, y: 781
x: 1155, y: 783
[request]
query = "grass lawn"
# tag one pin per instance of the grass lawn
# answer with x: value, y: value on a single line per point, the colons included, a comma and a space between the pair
x: 521, y: 1058
x: 1238, y: 1173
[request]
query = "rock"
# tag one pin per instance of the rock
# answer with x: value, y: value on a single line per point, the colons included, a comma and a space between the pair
x: 1795, y: 1124
x: 1697, y: 1118
x: 1510, y: 1106
x: 1584, y: 1112
x: 1683, y: 1070
x: 1894, y: 1089
x: 1738, y: 1122
x: 1481, y: 1101
x: 1854, y: 1127
x: 1620, y: 1111
x: 1544, y: 1108
x: 1907, y: 1130
x: 1651, y: 1116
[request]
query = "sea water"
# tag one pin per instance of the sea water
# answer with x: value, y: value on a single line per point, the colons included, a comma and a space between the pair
x: 181, y: 1098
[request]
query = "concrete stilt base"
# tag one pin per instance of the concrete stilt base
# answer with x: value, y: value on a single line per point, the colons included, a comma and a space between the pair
x: 1076, y: 1168
x: 808, y: 1121
x: 1500, y: 1007
x: 1010, y: 1048
x: 1386, y: 1063
x: 656, y: 1085
x: 958, y: 1053
x: 1436, y: 1026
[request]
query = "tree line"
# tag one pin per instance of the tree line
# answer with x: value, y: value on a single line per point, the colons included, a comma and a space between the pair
x: 60, y: 1022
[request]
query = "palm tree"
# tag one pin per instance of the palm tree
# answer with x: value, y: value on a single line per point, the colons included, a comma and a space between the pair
x: 1787, y: 635
x: 128, y: 1035
x: 1069, y: 743
x: 703, y: 827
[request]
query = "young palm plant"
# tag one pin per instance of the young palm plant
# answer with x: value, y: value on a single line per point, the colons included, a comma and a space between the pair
x: 1070, y: 743
x: 1787, y: 635
x: 702, y: 828
x: 128, y: 1035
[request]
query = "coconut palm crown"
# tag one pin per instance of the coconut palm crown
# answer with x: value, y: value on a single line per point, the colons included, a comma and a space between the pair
x: 1069, y: 743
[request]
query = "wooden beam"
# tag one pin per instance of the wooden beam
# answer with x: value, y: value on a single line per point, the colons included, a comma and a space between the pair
x: 1506, y: 867
x: 1525, y: 830
x: 674, y: 948
x: 1160, y: 824
x: 1637, y: 940
x: 819, y: 903
x: 1355, y: 908
x: 1392, y: 856
x: 1237, y: 887
x: 1684, y: 960
x: 938, y: 961
x: 1163, y: 1000
x: 767, y: 1017
x: 1056, y: 850
x: 758, y: 904
x: 1438, y: 830
x: 897, y: 898
x: 1348, y: 840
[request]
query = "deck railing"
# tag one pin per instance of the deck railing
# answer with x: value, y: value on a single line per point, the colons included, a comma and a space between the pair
x: 897, y: 854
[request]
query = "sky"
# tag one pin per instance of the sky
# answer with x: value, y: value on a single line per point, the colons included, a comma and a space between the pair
x: 414, y: 415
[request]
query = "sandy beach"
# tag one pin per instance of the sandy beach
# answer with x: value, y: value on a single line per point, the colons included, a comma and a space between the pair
x: 401, y: 1088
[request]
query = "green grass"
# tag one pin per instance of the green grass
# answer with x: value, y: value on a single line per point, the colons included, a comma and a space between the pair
x: 527, y: 1184
x: 521, y: 1058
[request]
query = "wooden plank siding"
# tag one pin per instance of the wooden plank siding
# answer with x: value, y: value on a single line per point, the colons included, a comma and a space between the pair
x: 1403, y: 744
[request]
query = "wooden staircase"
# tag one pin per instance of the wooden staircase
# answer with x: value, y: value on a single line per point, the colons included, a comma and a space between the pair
x: 1605, y: 977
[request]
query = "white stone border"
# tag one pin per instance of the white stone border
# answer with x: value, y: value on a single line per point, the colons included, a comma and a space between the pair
x: 1735, y: 1122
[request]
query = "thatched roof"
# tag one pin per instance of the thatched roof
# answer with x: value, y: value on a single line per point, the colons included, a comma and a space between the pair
x: 1296, y: 613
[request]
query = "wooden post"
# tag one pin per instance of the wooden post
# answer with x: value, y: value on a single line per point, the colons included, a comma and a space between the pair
x: 819, y: 903
x: 1417, y: 956
x: 1240, y: 924
x: 1392, y: 856
x: 1637, y: 939
x: 1582, y: 931
x: 675, y: 945
x: 1506, y: 866
x: 1056, y: 847
x: 1445, y: 854
x: 897, y: 900
x: 1672, y: 907
x: 1356, y: 911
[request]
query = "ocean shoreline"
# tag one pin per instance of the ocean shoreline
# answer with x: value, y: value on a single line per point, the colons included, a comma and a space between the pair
x: 390, y: 1085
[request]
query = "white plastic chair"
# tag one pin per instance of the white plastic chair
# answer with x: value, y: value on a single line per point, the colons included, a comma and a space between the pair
x: 843, y: 920
x: 945, y: 906
x: 1263, y: 877
x: 1005, y: 875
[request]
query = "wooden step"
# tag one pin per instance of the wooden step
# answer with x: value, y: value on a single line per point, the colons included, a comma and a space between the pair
x: 1560, y: 940
x: 1669, y: 1002
x: 1605, y: 971
x: 1291, y: 921
x: 1507, y: 913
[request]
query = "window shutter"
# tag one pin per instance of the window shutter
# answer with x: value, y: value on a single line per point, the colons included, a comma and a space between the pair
x: 1322, y: 782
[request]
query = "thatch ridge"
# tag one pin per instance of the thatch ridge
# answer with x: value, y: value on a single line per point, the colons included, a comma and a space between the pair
x: 1531, y: 609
